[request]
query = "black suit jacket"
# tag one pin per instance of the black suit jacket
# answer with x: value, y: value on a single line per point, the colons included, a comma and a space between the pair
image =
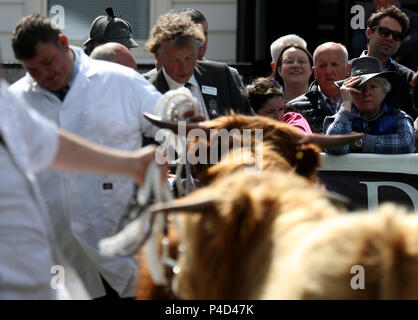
x: 217, y: 75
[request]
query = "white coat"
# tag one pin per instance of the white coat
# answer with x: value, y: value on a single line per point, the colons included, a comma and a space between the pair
x: 28, y: 248
x: 105, y: 105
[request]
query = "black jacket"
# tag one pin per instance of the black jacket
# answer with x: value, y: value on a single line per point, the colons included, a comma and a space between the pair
x: 401, y: 98
x: 213, y: 74
x: 313, y: 107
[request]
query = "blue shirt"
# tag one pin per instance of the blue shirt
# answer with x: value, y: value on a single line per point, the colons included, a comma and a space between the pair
x: 390, y: 132
x: 390, y: 65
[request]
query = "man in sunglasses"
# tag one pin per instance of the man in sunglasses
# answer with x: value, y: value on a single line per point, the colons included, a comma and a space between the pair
x: 385, y: 31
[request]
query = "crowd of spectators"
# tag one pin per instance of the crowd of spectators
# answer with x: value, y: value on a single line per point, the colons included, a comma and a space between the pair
x: 67, y: 98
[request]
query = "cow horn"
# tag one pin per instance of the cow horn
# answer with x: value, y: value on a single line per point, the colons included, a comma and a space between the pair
x: 174, y: 125
x: 323, y: 141
x: 337, y: 198
x: 200, y: 205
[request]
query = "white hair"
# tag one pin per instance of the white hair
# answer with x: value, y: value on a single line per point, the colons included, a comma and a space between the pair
x: 283, y: 42
x: 384, y: 83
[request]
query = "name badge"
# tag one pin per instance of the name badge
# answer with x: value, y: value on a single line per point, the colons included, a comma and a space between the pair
x: 210, y: 90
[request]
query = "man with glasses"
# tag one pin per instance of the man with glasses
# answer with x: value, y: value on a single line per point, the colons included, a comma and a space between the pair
x: 385, y: 31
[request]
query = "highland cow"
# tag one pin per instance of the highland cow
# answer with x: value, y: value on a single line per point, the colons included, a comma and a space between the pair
x: 284, y: 147
x: 274, y: 236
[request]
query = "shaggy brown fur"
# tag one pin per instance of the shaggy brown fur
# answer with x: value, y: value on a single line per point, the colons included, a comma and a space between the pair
x: 384, y: 243
x: 276, y: 137
x: 284, y: 147
x: 229, y: 251
x: 285, y: 140
x: 274, y: 236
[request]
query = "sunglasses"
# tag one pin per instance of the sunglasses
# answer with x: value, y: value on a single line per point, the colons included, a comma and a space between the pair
x: 385, y: 32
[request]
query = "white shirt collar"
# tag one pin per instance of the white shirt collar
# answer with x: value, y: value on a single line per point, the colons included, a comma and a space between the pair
x: 172, y: 84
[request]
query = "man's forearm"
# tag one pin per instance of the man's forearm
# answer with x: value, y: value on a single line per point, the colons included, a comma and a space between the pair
x: 77, y: 154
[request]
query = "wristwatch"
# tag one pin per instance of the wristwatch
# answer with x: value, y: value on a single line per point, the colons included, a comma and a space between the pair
x: 358, y: 143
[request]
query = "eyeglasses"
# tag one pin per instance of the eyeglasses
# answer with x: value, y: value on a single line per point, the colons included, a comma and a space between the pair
x: 385, y: 32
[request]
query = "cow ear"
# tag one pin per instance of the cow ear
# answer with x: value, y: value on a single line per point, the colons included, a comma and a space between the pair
x: 307, y: 160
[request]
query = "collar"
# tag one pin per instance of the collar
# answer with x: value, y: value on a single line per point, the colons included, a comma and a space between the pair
x: 76, y: 66
x: 323, y: 95
x: 172, y: 84
x: 75, y: 70
x: 385, y: 109
x: 391, y: 63
x: 333, y: 107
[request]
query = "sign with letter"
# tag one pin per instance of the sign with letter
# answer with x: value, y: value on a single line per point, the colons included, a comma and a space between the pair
x: 368, y: 179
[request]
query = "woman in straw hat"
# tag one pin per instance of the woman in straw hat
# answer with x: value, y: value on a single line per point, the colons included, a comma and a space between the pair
x: 386, y: 129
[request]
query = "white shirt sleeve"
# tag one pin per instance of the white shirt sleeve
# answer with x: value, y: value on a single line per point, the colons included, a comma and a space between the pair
x: 148, y: 97
x: 40, y: 136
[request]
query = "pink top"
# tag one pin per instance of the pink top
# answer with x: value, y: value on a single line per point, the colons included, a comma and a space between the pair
x: 297, y: 120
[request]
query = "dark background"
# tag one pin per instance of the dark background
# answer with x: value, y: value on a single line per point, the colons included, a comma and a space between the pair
x: 260, y: 22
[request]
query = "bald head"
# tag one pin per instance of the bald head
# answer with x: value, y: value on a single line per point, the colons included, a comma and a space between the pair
x: 330, y: 65
x: 115, y: 52
x: 331, y: 48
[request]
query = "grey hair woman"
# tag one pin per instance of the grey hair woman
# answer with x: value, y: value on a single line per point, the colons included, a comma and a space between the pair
x: 363, y: 109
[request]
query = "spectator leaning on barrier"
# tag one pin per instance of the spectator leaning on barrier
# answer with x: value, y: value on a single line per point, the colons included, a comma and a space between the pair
x: 266, y: 99
x: 386, y: 129
x: 115, y: 52
x: 109, y: 29
x: 103, y: 102
x: 385, y: 30
x: 330, y: 65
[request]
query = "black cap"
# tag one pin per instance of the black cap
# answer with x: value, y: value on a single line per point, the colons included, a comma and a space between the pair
x: 111, y: 29
x: 368, y: 68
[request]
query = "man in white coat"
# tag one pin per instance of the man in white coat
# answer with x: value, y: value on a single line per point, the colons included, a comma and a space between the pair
x: 32, y: 266
x: 104, y: 103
